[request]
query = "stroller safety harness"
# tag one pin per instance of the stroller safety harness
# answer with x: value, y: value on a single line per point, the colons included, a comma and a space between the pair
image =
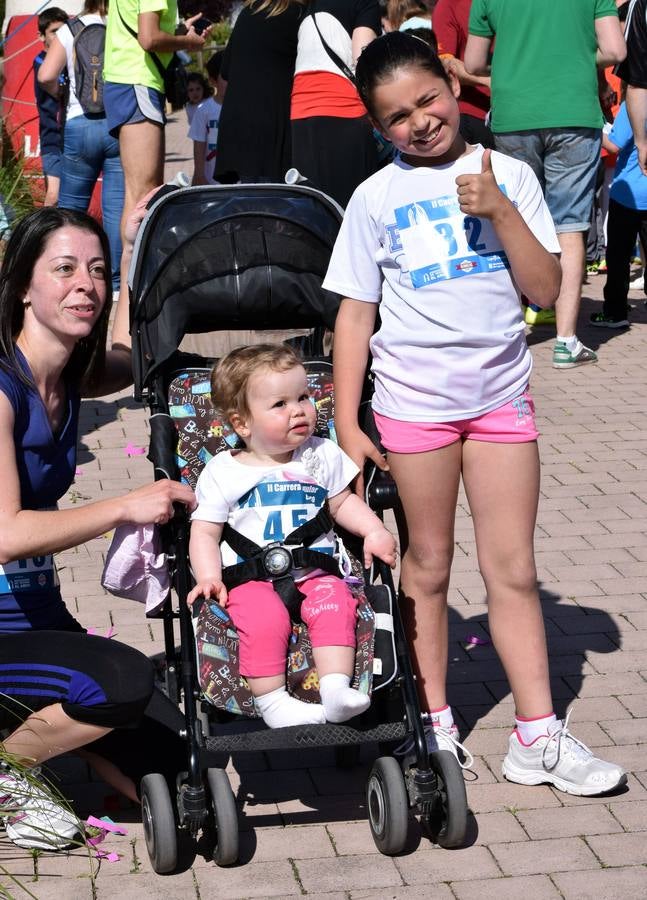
x: 276, y: 562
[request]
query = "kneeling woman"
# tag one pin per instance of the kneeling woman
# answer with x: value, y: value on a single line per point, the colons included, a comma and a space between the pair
x: 54, y: 284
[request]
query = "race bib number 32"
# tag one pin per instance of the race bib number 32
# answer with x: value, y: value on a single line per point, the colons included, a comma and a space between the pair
x: 440, y: 242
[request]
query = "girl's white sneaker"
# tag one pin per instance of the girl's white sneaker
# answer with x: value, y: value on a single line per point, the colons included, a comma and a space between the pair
x: 560, y: 759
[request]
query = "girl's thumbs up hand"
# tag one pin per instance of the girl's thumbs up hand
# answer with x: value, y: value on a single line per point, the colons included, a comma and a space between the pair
x: 479, y: 194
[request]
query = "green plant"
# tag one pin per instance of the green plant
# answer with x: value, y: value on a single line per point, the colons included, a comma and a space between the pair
x: 20, y: 189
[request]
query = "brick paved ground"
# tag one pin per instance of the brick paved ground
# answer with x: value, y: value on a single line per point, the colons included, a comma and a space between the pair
x: 303, y: 823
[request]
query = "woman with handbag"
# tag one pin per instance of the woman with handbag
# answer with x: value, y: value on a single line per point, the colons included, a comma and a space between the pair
x: 333, y: 145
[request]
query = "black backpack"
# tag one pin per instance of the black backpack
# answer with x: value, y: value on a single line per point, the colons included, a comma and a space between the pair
x: 87, y: 56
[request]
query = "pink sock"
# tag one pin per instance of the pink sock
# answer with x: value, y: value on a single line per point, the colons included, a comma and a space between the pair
x: 529, y: 730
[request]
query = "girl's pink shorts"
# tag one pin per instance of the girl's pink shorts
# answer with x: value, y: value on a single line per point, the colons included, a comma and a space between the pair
x: 512, y: 423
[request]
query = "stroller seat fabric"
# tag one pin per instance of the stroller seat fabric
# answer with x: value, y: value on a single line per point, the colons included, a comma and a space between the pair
x: 201, y: 433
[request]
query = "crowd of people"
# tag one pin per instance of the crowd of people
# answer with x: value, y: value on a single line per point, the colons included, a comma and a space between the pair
x: 493, y: 126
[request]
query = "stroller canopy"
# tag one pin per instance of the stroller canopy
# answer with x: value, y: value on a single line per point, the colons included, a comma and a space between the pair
x: 229, y: 258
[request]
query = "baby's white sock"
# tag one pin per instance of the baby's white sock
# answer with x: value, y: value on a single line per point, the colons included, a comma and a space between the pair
x: 340, y: 701
x: 279, y: 710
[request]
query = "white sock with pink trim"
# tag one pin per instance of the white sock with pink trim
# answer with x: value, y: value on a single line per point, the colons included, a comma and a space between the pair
x: 529, y: 730
x: 441, y: 718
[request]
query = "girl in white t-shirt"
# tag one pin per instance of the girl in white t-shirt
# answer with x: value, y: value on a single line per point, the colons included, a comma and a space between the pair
x: 280, y: 480
x: 441, y: 242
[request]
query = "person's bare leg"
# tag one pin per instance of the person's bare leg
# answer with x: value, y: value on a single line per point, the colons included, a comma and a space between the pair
x: 47, y: 733
x: 502, y: 487
x: 567, y: 305
x: 51, y: 732
x: 428, y: 488
x: 141, y: 148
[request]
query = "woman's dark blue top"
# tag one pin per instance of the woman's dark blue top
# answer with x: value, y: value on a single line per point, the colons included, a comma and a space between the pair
x: 30, y: 596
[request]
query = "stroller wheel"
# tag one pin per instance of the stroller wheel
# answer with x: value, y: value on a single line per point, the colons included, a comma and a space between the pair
x: 448, y: 819
x: 225, y: 817
x: 159, y: 823
x: 388, y: 805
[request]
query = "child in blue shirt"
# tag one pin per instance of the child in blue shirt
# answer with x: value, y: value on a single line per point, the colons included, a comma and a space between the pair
x: 49, y: 109
x: 627, y: 218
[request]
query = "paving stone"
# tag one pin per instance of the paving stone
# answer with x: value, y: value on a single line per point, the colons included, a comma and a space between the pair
x: 265, y: 879
x: 541, y: 857
x: 632, y: 814
x: 626, y: 883
x: 348, y: 872
x: 306, y: 842
x: 536, y: 887
x: 434, y: 865
x: 430, y: 891
x: 619, y: 849
x: 567, y: 821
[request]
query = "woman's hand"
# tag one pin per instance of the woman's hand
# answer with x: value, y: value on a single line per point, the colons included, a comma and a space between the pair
x: 210, y: 587
x: 382, y: 544
x: 154, y: 502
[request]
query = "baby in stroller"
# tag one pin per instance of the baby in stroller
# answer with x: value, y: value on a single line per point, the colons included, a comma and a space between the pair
x: 262, y: 540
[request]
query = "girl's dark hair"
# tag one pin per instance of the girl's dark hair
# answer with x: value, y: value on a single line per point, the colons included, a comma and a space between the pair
x: 380, y: 60
x: 198, y: 77
x: 24, y: 248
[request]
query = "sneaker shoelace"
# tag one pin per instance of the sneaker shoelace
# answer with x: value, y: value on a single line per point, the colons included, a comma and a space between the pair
x: 408, y: 745
x: 561, y: 741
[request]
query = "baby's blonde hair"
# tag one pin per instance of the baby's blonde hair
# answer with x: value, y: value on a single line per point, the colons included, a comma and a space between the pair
x: 230, y: 376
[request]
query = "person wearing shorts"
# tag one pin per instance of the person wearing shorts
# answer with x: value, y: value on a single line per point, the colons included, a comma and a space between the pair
x: 550, y: 117
x: 134, y: 87
x: 511, y: 423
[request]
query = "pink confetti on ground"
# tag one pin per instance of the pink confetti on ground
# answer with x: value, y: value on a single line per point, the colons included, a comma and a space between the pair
x: 78, y: 471
x: 131, y: 450
x: 472, y: 640
x: 106, y: 824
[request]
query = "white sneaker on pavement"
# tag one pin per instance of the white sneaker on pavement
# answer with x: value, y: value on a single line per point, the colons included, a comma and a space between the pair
x: 32, y: 817
x: 439, y: 738
x: 560, y: 759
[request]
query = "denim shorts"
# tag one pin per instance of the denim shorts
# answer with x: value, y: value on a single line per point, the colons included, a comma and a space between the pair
x: 52, y: 164
x: 565, y: 160
x: 127, y: 104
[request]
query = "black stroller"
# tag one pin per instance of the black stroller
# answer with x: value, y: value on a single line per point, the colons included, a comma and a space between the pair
x: 216, y: 259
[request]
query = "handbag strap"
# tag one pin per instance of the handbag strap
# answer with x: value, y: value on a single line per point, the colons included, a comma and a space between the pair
x: 158, y: 62
x: 338, y: 61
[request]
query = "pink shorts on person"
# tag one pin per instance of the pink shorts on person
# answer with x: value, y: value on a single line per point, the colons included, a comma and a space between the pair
x: 512, y: 423
x: 263, y: 624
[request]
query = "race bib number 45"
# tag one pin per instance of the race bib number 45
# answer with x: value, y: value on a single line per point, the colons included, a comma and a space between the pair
x: 36, y: 573
x: 440, y: 242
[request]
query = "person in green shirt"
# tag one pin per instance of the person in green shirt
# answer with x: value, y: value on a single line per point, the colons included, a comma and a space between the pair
x: 134, y: 87
x: 546, y: 112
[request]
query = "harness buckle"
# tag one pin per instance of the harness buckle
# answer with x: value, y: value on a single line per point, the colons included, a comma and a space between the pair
x: 276, y: 560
